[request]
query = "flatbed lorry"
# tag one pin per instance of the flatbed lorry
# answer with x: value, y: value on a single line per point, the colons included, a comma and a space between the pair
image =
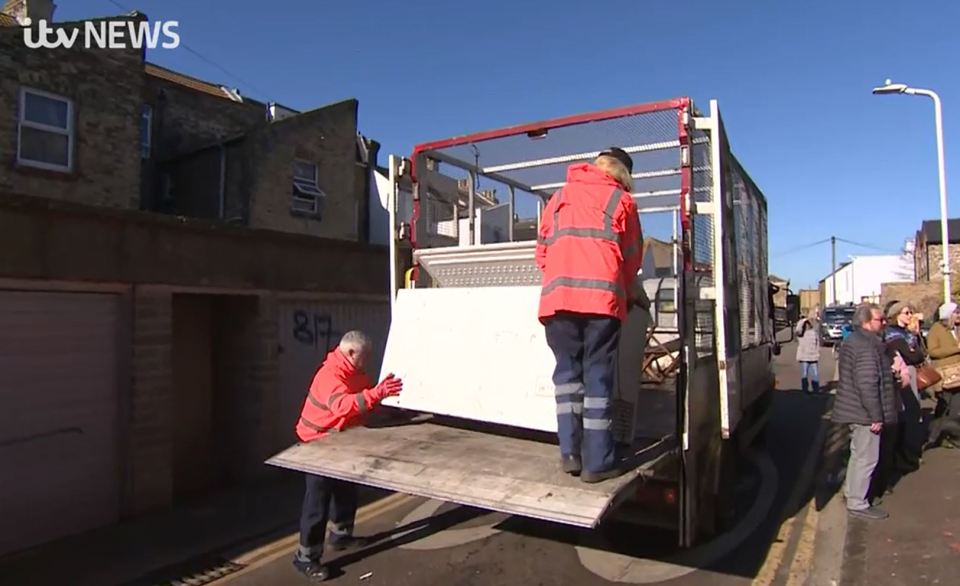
x: 694, y: 370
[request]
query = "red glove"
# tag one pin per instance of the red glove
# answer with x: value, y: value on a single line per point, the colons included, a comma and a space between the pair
x: 388, y: 387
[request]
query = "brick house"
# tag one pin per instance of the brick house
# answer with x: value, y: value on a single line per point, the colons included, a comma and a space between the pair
x: 154, y: 350
x: 928, y: 250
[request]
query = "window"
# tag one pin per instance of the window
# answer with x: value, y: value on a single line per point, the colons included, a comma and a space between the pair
x: 306, y: 192
x: 146, y: 131
x: 45, y: 137
x: 665, y: 301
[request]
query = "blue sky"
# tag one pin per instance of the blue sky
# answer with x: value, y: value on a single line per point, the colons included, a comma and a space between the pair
x: 793, y: 79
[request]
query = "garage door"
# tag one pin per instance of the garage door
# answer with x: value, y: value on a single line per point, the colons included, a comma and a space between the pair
x: 308, y: 330
x: 58, y: 415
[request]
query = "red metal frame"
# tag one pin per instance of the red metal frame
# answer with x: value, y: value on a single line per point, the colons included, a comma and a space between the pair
x: 680, y: 104
x: 674, y: 103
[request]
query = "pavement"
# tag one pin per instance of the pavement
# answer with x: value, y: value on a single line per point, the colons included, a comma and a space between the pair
x: 198, y: 538
x: 920, y: 542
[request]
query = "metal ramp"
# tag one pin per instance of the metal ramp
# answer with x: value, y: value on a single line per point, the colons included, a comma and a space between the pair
x: 475, y: 468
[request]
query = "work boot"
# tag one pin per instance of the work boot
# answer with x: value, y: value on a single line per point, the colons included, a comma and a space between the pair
x: 870, y: 514
x: 594, y: 477
x: 316, y: 571
x: 345, y: 542
x: 571, y: 465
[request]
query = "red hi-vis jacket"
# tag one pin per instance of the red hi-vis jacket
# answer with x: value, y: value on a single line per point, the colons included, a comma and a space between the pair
x: 589, y: 246
x: 340, y: 396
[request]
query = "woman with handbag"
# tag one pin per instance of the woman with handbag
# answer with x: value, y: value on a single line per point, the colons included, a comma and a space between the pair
x: 901, y: 341
x: 943, y: 343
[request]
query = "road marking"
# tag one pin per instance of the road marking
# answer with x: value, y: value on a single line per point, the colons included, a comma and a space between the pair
x: 266, y: 554
x: 778, y: 548
x: 800, y: 568
x: 614, y: 567
x: 771, y: 565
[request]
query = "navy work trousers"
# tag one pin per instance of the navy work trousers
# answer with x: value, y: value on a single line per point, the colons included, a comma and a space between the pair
x: 326, y: 499
x: 585, y: 347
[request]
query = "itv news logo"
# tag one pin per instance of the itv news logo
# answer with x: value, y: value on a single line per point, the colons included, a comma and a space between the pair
x: 105, y: 34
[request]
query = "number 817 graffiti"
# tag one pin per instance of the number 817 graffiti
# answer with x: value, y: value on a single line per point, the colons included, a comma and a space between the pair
x: 316, y: 331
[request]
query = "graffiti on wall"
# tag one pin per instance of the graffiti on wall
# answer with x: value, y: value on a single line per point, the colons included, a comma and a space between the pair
x: 315, y: 329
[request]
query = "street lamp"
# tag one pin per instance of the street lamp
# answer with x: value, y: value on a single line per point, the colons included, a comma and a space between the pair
x: 902, y: 88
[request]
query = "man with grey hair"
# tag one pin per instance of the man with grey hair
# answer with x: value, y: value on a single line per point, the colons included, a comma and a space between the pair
x: 865, y: 402
x: 340, y: 396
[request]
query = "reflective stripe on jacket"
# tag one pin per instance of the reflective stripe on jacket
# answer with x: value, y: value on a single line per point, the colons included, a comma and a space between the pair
x: 589, y: 246
x: 339, y: 396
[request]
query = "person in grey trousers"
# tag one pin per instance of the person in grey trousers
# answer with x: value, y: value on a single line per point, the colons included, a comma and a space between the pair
x: 808, y: 353
x: 866, y: 401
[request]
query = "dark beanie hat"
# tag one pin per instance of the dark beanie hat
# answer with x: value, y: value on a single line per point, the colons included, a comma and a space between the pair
x: 620, y: 155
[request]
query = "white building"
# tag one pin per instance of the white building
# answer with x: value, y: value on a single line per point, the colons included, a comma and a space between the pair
x: 859, y: 279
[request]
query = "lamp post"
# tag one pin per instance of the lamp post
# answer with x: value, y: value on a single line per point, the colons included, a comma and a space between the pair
x: 902, y: 88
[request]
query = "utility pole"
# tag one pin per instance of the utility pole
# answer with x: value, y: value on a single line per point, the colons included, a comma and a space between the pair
x: 833, y: 260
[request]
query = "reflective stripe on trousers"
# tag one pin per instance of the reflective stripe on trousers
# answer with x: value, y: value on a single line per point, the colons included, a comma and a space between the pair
x: 585, y: 350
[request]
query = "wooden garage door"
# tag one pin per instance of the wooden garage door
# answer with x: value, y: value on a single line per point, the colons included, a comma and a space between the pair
x: 58, y: 415
x: 308, y: 330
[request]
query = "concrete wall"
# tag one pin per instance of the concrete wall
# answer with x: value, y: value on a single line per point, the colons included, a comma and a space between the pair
x: 39, y: 240
x: 106, y: 87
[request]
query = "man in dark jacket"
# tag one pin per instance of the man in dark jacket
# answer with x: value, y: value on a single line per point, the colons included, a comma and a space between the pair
x: 866, y: 401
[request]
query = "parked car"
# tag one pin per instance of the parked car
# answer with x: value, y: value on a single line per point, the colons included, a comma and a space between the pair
x: 832, y: 321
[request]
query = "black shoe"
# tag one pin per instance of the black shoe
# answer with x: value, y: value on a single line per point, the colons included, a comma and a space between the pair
x: 593, y: 477
x: 313, y: 570
x: 571, y: 465
x: 348, y: 542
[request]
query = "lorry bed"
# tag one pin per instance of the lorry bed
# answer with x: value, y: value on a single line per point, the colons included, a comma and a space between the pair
x: 514, y: 475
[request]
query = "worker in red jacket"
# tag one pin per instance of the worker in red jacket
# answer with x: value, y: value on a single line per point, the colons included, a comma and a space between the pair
x: 340, y: 396
x: 589, y: 250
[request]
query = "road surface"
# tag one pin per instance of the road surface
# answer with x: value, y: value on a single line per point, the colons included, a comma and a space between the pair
x: 428, y: 542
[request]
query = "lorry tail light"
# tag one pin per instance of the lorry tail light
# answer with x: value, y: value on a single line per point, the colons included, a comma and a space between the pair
x: 670, y: 496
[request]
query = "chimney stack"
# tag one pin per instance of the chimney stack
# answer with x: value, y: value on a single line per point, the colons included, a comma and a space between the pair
x: 33, y: 9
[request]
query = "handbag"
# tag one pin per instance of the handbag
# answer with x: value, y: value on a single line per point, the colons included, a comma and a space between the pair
x: 950, y: 375
x: 927, y: 376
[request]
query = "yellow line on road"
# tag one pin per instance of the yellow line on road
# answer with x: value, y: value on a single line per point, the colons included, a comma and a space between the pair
x: 800, y: 568
x: 771, y: 565
x: 265, y: 554
x: 768, y: 572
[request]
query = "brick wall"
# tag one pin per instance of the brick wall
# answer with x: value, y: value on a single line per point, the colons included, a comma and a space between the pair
x: 327, y: 137
x: 105, y: 86
x: 926, y: 296
x: 247, y: 371
x: 184, y: 120
x: 932, y: 259
x: 149, y: 448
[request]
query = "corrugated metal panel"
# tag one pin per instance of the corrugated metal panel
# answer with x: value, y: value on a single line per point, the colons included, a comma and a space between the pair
x: 58, y: 415
x: 308, y: 331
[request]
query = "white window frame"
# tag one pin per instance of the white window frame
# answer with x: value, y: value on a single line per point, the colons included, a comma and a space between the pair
x: 146, y: 147
x: 306, y: 192
x: 68, y: 131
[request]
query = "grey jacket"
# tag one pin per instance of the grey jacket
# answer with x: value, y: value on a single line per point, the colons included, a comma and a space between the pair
x: 808, y: 347
x: 866, y: 393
